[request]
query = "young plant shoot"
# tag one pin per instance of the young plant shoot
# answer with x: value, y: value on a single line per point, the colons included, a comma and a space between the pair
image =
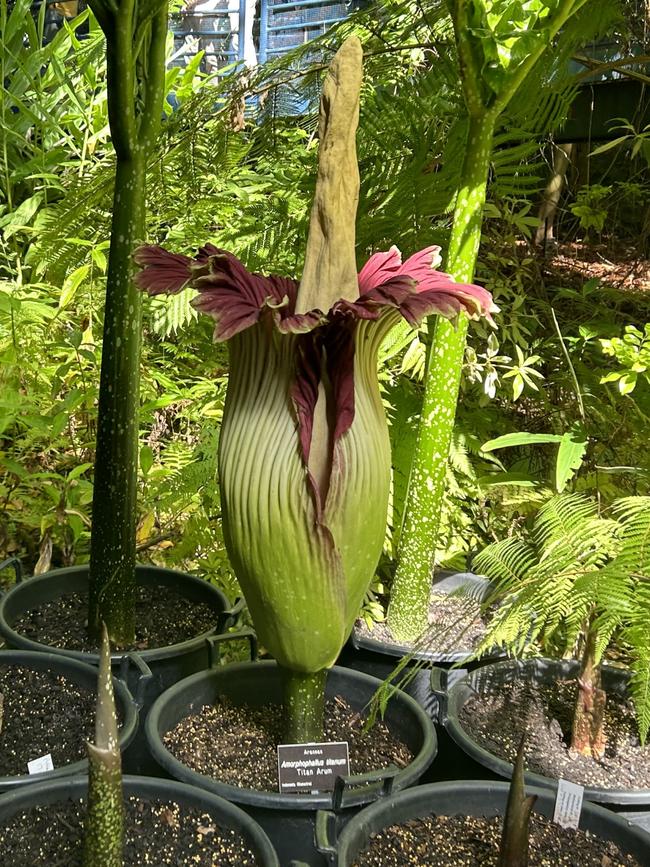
x: 304, y: 457
x: 513, y: 851
x: 104, y: 831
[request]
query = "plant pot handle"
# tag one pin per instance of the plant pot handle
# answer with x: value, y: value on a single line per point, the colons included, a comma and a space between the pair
x: 214, y: 644
x: 343, y: 785
x: 228, y: 618
x: 144, y: 676
x: 13, y: 562
x: 325, y: 836
x: 439, y: 687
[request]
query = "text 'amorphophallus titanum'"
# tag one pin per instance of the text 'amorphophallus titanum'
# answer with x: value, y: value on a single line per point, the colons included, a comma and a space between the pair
x: 304, y: 455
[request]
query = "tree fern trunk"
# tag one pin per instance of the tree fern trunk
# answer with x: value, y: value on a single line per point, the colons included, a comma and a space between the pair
x: 407, y: 614
x: 588, y: 730
x: 112, y: 553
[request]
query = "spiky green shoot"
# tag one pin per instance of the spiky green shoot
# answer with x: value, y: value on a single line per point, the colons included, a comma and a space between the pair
x: 104, y: 831
x: 514, y: 838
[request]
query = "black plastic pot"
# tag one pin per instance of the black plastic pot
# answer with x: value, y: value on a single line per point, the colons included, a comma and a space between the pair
x: 379, y: 659
x: 147, y: 673
x: 148, y: 789
x: 475, y: 798
x: 82, y: 675
x: 634, y: 804
x: 289, y: 820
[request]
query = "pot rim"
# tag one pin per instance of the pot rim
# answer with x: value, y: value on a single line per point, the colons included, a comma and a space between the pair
x: 18, y: 640
x: 54, y: 661
x: 441, y: 795
x: 152, y: 787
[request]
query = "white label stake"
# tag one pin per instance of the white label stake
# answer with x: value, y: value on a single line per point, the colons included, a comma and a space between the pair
x: 40, y: 765
x: 568, y: 804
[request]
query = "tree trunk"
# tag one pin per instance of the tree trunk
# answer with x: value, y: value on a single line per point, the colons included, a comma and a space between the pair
x: 552, y: 193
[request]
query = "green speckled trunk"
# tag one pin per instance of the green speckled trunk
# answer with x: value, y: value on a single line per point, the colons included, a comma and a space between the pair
x: 407, y: 613
x: 135, y: 54
x: 112, y: 557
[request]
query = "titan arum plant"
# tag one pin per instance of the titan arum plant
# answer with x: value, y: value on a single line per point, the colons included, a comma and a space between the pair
x: 498, y: 43
x: 136, y: 32
x: 304, y: 456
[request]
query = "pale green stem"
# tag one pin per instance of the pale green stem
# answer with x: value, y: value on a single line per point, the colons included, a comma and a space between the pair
x: 304, y: 706
x: 407, y: 613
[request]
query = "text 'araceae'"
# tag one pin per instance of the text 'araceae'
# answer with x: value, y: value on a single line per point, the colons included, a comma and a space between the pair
x: 304, y: 457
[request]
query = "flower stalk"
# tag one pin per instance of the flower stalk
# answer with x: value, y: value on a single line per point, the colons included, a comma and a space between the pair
x: 513, y: 851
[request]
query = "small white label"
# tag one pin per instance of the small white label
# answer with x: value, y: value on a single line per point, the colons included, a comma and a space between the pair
x: 40, y: 765
x: 568, y: 804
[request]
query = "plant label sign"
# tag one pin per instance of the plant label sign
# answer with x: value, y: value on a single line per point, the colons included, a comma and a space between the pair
x: 312, y: 768
x: 40, y: 765
x: 568, y: 804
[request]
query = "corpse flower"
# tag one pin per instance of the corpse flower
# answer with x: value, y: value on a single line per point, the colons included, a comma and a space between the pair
x: 304, y: 455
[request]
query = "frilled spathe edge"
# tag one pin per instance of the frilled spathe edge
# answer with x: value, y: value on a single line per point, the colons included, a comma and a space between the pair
x: 325, y: 344
x: 237, y: 298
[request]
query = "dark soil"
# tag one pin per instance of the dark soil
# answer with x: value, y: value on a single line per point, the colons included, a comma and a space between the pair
x: 42, y: 713
x: 237, y: 744
x: 163, y: 616
x: 496, y: 721
x: 157, y: 833
x: 451, y: 841
x: 455, y: 622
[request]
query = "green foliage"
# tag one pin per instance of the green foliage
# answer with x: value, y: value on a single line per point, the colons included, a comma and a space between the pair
x: 632, y: 352
x: 591, y: 206
x: 578, y: 567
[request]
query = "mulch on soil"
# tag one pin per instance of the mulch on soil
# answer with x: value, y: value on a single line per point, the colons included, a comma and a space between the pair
x: 496, y: 721
x: 157, y: 833
x: 455, y: 625
x: 452, y: 841
x: 163, y: 616
x: 575, y: 262
x: 237, y: 744
x: 42, y: 712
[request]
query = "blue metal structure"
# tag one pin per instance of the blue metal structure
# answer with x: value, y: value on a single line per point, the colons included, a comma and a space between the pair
x: 286, y: 25
x: 212, y: 27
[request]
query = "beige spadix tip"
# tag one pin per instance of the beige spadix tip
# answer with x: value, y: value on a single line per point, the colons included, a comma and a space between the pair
x: 330, y: 269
